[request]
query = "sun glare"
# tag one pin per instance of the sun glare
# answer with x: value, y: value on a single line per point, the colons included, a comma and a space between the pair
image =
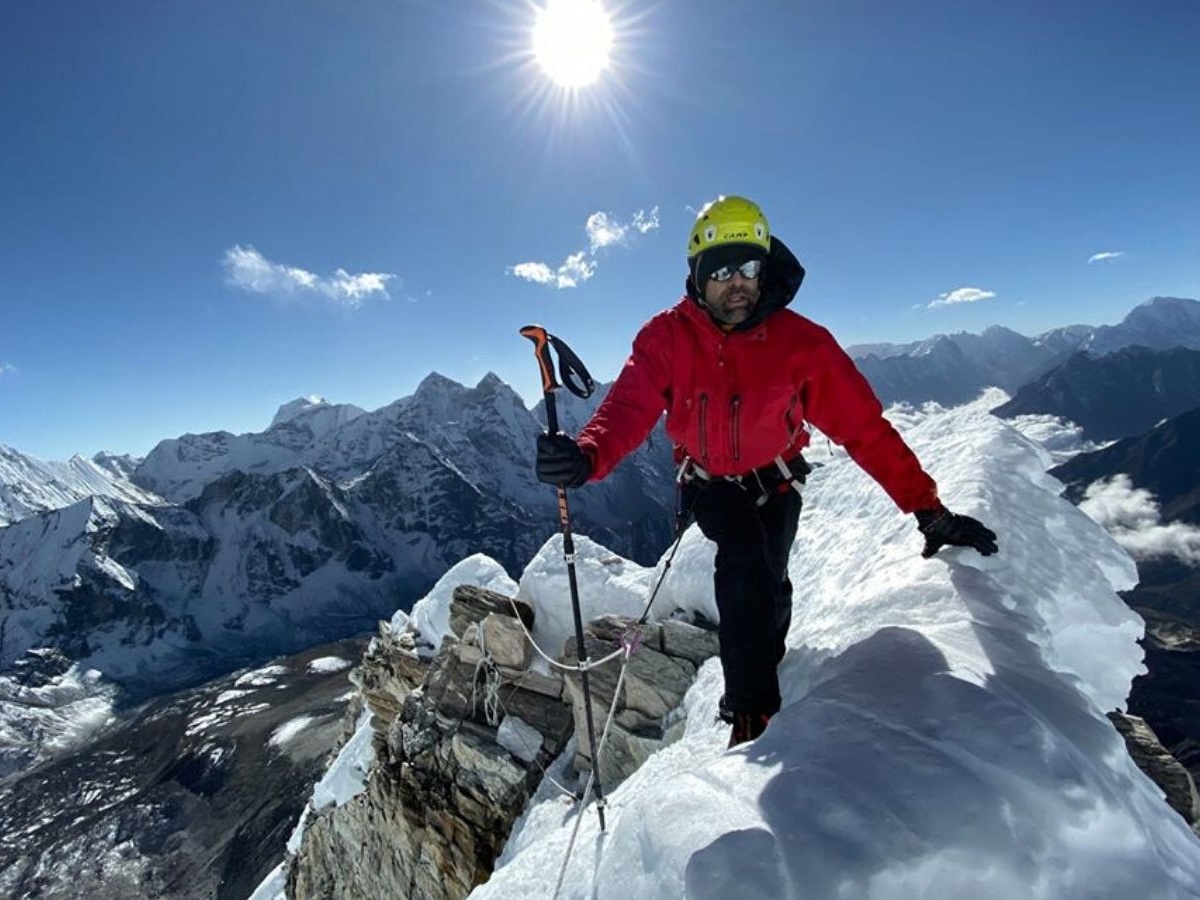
x: 572, y: 40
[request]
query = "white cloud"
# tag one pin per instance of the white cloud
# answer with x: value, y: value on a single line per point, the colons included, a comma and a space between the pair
x: 603, y: 231
x: 249, y: 270
x: 1131, y: 516
x: 537, y: 272
x: 646, y: 222
x: 5, y: 368
x: 962, y: 295
x: 577, y: 268
x: 1105, y: 254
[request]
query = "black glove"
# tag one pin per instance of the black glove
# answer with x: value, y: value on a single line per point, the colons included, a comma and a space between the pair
x: 942, y: 527
x: 560, y: 461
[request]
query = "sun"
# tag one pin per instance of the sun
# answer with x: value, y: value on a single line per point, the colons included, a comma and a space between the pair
x: 572, y: 40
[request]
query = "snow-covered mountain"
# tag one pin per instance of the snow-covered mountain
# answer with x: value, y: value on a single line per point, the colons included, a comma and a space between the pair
x: 29, y: 485
x: 157, y: 597
x: 943, y: 732
x: 1162, y: 323
x: 231, y: 548
x: 448, y: 450
x: 954, y: 368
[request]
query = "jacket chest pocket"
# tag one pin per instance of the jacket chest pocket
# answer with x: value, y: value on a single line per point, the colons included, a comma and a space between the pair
x: 711, y: 420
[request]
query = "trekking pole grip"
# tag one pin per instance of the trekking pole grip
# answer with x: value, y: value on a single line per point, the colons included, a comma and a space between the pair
x: 541, y: 352
x: 575, y: 376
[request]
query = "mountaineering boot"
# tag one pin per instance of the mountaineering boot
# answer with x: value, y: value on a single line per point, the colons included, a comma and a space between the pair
x: 747, y: 726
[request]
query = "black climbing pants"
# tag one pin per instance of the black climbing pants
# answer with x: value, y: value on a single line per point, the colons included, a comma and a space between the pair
x: 754, y: 593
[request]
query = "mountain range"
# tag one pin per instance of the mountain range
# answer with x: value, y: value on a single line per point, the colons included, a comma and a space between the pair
x: 952, y: 369
x: 220, y: 550
x: 1115, y: 396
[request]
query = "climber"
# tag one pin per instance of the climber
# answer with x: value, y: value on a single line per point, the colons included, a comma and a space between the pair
x: 738, y: 375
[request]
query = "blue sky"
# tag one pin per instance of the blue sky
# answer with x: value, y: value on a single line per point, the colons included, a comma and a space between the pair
x: 210, y: 208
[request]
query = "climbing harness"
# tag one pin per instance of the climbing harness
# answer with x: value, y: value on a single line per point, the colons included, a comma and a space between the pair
x: 778, y: 476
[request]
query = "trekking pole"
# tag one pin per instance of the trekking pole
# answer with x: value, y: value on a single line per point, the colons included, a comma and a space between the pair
x: 570, y: 367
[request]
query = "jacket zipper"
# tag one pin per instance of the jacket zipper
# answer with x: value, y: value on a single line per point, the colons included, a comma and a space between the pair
x: 735, y: 410
x: 704, y: 427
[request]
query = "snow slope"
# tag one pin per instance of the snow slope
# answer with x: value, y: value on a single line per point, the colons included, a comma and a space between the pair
x: 943, y: 732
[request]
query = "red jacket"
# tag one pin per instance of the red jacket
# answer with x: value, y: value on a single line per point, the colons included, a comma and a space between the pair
x: 736, y: 400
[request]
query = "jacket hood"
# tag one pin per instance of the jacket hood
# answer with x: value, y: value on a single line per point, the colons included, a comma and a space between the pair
x: 781, y: 279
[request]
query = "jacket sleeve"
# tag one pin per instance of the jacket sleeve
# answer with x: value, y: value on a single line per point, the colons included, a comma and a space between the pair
x: 634, y: 404
x: 840, y: 402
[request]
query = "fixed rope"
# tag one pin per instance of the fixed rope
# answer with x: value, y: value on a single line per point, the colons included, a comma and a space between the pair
x: 587, y: 665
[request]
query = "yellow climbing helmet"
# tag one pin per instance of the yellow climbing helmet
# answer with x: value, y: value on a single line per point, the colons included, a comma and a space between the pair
x: 729, y: 220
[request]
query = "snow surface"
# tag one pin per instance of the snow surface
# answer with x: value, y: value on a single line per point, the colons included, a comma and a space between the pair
x: 943, y: 732
x: 263, y: 677
x: 289, y: 729
x: 328, y: 665
x: 430, y: 616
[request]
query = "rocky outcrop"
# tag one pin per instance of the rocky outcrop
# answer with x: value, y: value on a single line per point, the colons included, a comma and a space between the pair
x: 1162, y: 768
x: 463, y: 740
x: 658, y: 674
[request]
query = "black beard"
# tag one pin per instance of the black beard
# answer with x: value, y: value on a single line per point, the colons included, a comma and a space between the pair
x: 732, y: 317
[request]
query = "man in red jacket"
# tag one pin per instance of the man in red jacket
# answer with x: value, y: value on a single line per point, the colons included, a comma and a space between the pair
x: 738, y: 374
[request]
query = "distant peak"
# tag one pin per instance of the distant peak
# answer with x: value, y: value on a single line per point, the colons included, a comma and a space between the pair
x: 1172, y: 301
x: 436, y: 381
x: 300, y: 405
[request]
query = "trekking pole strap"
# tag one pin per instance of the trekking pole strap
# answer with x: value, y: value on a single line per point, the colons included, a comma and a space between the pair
x: 574, y: 374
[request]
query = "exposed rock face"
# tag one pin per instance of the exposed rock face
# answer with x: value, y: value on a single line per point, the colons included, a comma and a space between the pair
x: 463, y: 740
x: 1163, y: 768
x: 191, y: 796
x: 656, y: 678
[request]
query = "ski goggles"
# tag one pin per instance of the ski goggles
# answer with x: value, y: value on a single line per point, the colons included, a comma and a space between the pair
x: 749, y: 270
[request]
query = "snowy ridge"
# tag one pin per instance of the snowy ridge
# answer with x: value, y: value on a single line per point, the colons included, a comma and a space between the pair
x: 943, y: 732
x: 29, y: 485
x: 39, y: 558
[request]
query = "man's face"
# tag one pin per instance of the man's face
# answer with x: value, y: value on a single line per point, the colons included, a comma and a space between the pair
x: 731, y: 302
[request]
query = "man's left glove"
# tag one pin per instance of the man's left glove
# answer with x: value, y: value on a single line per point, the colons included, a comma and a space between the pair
x: 942, y: 527
x: 560, y: 461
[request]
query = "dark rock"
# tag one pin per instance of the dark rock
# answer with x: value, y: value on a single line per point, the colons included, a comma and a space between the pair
x: 1162, y: 768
